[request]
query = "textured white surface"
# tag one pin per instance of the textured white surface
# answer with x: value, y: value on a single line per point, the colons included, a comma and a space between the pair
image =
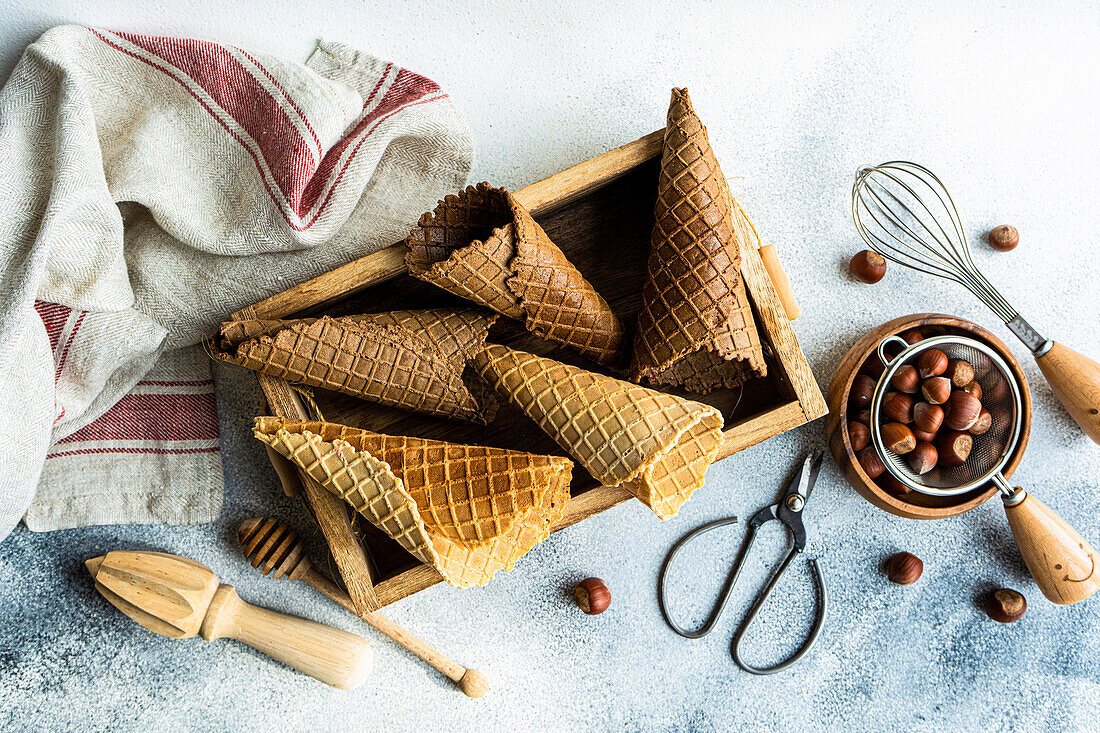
x: 999, y: 99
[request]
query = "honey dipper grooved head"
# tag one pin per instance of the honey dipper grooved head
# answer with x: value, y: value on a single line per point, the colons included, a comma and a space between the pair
x: 273, y: 548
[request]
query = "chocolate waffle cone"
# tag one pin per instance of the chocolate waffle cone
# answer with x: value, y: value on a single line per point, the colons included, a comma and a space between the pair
x: 484, y: 246
x: 696, y: 327
x: 411, y: 359
x: 467, y: 511
x: 657, y: 445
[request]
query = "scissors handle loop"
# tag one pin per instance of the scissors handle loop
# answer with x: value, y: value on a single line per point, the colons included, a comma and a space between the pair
x: 723, y: 596
x: 822, y: 602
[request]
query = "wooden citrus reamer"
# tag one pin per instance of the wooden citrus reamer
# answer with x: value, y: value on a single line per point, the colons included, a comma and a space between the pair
x: 180, y: 598
x: 276, y: 550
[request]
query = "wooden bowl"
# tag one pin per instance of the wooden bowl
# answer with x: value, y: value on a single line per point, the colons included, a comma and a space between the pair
x: 914, y: 505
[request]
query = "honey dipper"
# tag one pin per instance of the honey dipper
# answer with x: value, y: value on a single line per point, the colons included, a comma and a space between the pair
x: 275, y: 549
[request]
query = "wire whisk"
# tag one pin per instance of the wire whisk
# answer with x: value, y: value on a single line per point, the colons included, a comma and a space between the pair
x: 905, y: 213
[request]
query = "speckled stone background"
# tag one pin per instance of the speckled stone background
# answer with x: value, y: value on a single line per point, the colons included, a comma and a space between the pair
x: 999, y: 98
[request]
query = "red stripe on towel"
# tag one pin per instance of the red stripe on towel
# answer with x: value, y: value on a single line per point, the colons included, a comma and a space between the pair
x: 284, y: 151
x: 158, y: 451
x: 162, y: 417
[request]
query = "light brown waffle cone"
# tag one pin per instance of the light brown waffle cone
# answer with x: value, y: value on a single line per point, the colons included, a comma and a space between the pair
x: 657, y: 445
x: 484, y: 246
x: 411, y: 359
x: 694, y: 298
x: 489, y: 509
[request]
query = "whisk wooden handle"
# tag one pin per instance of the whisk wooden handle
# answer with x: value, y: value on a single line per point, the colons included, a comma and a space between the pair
x: 1075, y: 379
x: 333, y: 656
x: 1061, y: 561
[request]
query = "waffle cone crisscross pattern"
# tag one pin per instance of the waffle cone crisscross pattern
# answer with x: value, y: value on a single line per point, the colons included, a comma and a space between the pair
x: 696, y: 327
x: 410, y: 359
x: 481, y: 244
x: 658, y: 445
x: 468, y: 511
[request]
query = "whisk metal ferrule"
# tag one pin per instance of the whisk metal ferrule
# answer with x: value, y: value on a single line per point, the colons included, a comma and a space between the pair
x: 1032, y: 339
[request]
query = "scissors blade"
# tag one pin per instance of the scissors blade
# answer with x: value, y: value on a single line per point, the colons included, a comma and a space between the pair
x: 806, y: 477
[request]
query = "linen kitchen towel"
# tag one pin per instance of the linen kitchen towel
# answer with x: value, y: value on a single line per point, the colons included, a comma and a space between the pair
x: 148, y: 187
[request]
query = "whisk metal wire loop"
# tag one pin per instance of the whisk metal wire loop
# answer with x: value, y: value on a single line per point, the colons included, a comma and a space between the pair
x: 891, y: 211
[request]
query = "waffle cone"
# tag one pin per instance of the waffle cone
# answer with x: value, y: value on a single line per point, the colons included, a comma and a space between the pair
x: 696, y: 327
x: 411, y: 359
x: 658, y: 445
x: 484, y: 246
x: 468, y: 511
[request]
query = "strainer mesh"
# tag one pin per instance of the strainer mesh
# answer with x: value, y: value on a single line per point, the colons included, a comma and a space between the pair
x: 992, y: 448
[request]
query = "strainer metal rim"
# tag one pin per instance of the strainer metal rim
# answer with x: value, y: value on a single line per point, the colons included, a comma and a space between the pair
x: 891, y: 367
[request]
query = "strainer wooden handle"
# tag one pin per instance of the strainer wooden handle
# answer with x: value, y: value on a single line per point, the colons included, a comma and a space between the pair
x: 1075, y: 379
x: 1063, y: 564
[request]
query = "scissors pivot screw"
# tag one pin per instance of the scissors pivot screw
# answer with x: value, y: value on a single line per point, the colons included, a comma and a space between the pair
x: 795, y: 503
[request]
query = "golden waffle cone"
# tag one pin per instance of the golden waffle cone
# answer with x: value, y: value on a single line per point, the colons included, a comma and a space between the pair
x: 694, y: 299
x: 466, y: 510
x: 410, y: 359
x: 657, y: 444
x: 484, y: 246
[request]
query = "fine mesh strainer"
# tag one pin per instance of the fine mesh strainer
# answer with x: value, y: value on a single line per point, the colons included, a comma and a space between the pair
x: 1062, y: 563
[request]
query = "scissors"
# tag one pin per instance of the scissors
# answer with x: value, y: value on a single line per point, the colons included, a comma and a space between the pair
x: 789, y: 512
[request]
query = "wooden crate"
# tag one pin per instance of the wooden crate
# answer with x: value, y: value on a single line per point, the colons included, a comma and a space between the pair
x: 600, y: 213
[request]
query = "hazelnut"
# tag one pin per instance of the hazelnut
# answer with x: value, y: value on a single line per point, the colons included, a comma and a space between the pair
x: 912, y: 336
x: 898, y: 438
x: 863, y: 389
x: 974, y: 389
x: 871, y: 463
x: 923, y: 458
x: 898, y: 406
x: 904, y: 568
x: 960, y: 372
x: 936, y: 390
x: 931, y: 363
x: 1004, y: 238
x: 1005, y: 605
x: 873, y: 366
x: 859, y: 435
x: 954, y: 447
x: 592, y: 596
x: 867, y: 266
x: 892, y: 486
x: 982, y: 425
x: 923, y: 435
x: 863, y: 416
x: 961, y: 411
x: 906, y: 379
x: 998, y: 390
x: 927, y: 417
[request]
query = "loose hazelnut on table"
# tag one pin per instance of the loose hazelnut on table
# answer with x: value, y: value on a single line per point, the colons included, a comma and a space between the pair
x: 961, y: 411
x: 859, y: 434
x: 867, y: 266
x: 932, y: 363
x: 906, y: 379
x: 904, y: 568
x: 592, y: 596
x: 1005, y: 605
x: 936, y: 390
x: 1004, y: 238
x: 863, y: 389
